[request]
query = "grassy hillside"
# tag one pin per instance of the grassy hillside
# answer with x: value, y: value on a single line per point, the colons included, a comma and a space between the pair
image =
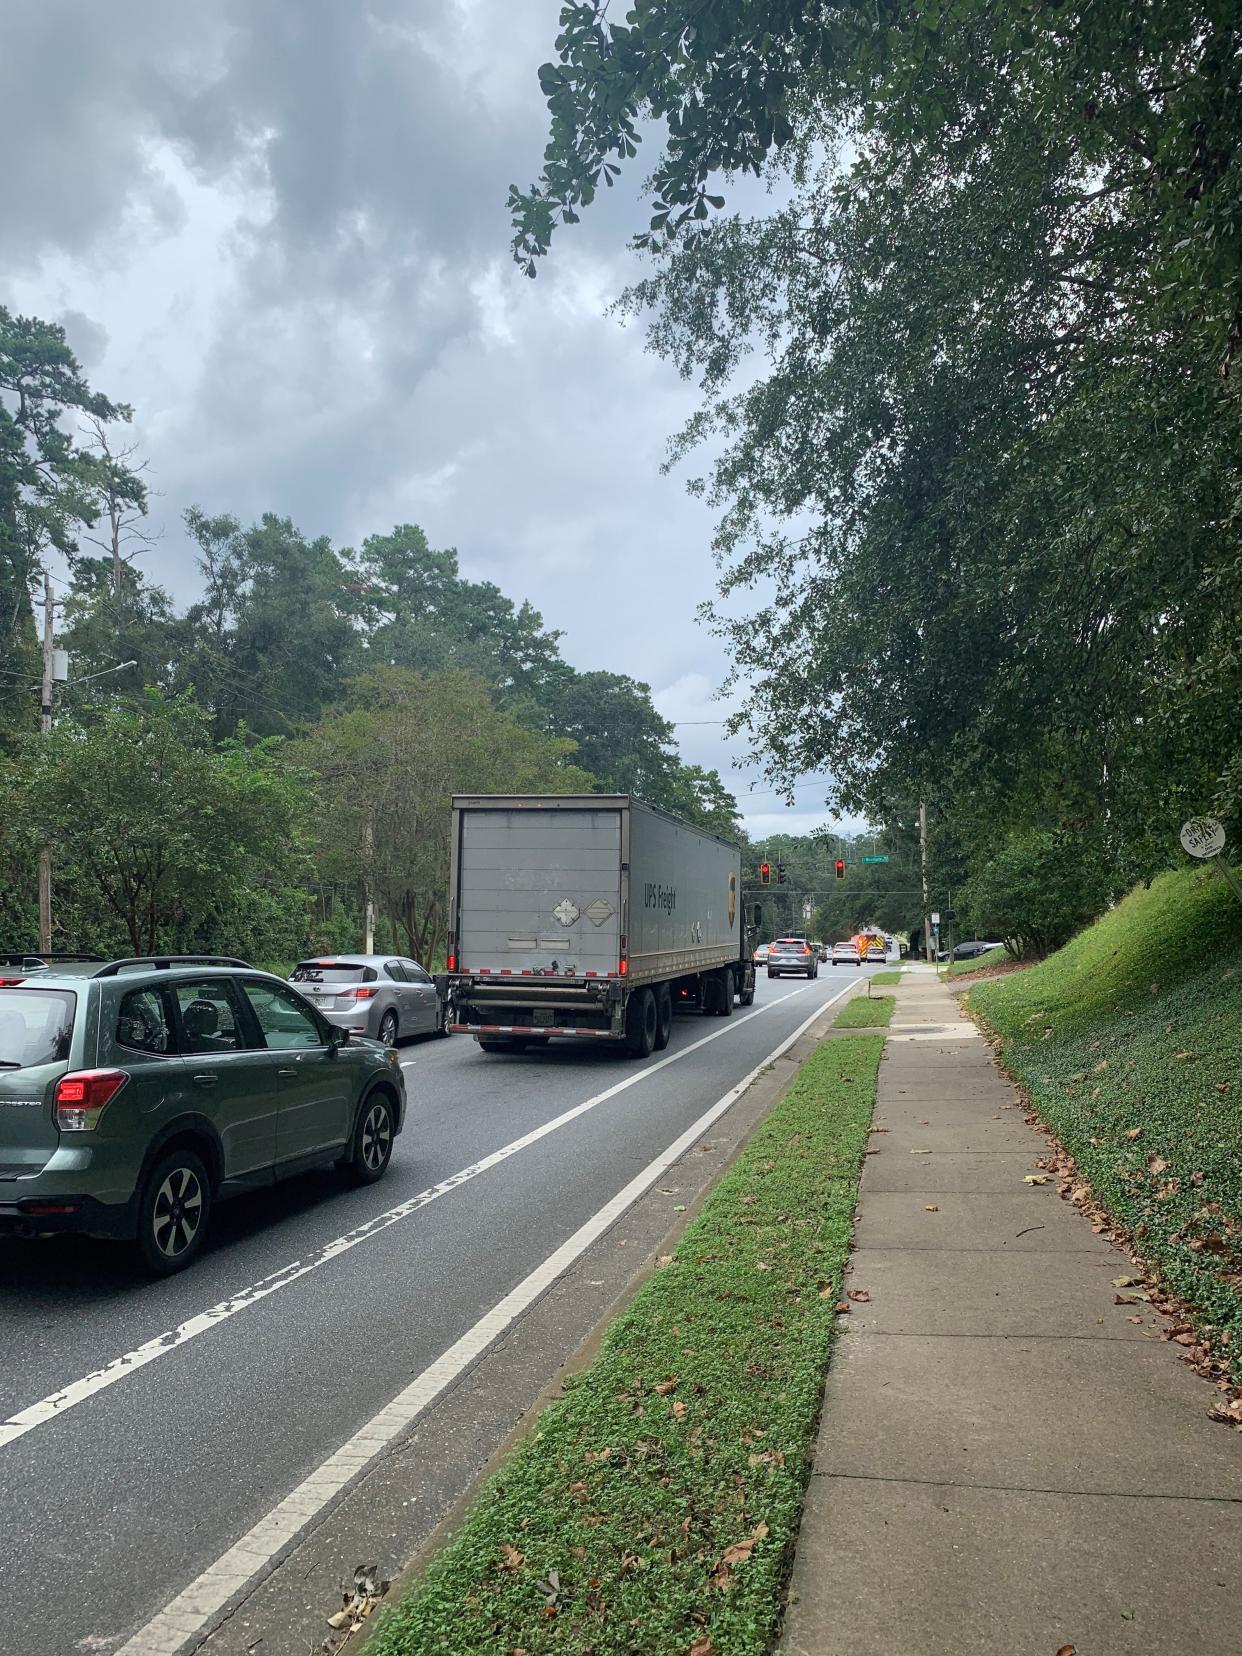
x: 1129, y: 1042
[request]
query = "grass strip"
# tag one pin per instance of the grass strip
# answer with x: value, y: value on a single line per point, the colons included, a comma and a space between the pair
x: 866, y: 1012
x: 886, y: 977
x: 653, y: 1509
x: 1129, y: 1044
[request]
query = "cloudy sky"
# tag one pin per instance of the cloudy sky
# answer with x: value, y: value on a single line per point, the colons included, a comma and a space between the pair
x: 278, y: 229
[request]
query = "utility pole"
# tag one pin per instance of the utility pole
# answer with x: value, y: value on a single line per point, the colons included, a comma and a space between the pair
x: 45, y: 724
x: 927, y: 936
x: 368, y: 924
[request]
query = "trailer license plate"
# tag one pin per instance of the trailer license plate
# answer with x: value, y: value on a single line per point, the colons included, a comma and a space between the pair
x: 543, y: 1015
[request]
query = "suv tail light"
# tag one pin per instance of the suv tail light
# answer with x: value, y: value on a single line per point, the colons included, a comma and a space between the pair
x: 81, y: 1096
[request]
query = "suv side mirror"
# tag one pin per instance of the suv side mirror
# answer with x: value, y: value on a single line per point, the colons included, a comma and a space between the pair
x: 337, y: 1036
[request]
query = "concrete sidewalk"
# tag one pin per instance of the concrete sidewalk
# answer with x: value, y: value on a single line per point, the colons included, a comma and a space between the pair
x: 1006, y: 1464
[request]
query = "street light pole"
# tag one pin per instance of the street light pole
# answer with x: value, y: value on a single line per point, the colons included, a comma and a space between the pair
x: 45, y: 725
x: 927, y: 936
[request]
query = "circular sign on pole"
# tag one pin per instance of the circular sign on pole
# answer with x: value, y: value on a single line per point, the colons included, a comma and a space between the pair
x: 1203, y: 837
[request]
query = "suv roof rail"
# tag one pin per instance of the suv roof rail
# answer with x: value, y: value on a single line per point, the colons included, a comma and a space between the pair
x: 113, y: 967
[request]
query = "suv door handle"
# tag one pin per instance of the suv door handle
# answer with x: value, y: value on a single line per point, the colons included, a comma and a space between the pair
x: 205, y: 1080
x: 287, y: 1072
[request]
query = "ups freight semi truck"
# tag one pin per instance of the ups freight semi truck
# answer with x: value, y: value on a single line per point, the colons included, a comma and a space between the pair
x: 588, y: 915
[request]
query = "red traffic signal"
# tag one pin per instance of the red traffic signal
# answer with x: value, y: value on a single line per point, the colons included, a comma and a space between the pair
x: 765, y: 873
x: 840, y: 868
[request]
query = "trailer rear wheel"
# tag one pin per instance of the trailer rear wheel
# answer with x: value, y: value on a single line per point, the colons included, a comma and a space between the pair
x: 641, y: 1024
x: 747, y: 996
x: 724, y: 1003
x: 664, y: 1016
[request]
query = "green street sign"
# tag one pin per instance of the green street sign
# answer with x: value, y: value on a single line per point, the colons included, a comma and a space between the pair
x: 875, y: 859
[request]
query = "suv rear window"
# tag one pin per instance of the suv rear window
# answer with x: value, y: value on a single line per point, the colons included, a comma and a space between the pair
x: 326, y: 971
x: 35, y: 1026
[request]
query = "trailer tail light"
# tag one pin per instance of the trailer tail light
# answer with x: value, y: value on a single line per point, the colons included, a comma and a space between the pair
x: 81, y: 1096
x: 451, y: 963
x: 623, y: 965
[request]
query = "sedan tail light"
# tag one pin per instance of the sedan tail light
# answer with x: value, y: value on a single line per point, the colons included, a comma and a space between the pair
x: 81, y: 1096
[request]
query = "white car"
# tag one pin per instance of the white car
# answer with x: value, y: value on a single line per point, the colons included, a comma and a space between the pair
x: 761, y: 954
x: 845, y: 954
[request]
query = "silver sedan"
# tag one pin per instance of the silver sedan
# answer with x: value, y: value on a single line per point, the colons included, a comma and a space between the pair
x: 383, y: 996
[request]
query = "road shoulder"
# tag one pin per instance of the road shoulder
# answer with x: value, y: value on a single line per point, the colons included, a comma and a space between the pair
x: 397, y: 1512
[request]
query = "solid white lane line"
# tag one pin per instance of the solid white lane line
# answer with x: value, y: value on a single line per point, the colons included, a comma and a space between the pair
x: 188, y: 1617
x: 58, y: 1403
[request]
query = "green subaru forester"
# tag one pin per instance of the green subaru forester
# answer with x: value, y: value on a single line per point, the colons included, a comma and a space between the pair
x: 135, y: 1093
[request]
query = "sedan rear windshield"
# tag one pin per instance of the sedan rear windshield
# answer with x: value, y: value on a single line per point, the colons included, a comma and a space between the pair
x: 35, y: 1026
x: 323, y: 971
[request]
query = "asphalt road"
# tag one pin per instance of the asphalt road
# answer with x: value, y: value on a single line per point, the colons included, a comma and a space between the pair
x: 290, y: 1342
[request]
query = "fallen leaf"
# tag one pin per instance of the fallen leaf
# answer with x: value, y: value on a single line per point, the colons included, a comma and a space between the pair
x: 841, y: 1307
x: 763, y: 1266
x: 628, y: 1562
x: 1068, y: 1650
x: 679, y: 1410
x: 1125, y: 1281
x: 738, y: 1551
x: 666, y: 1386
x: 513, y: 1559
x: 930, y: 1207
x: 1134, y: 1319
x: 1133, y: 1132
x: 1222, y: 1086
x: 860, y: 1296
x: 1037, y: 1178
x: 703, y: 1647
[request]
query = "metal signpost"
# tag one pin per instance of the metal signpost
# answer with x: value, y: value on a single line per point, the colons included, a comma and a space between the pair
x: 1203, y: 837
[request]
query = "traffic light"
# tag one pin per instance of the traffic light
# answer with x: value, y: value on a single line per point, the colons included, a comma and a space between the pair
x: 765, y: 873
x: 780, y: 873
x: 839, y: 868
